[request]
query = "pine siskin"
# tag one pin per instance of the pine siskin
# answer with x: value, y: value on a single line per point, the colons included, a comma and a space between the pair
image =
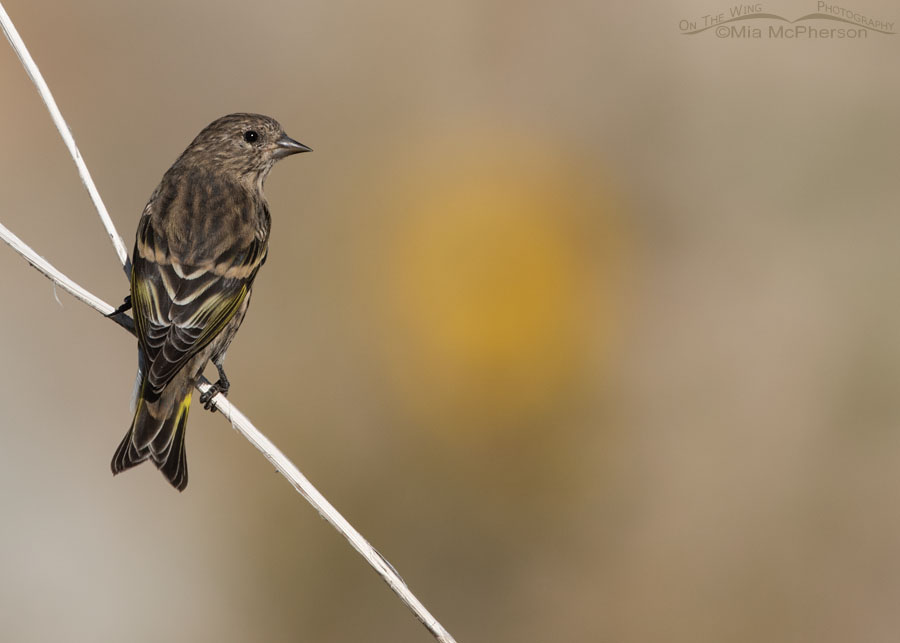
x: 201, y: 240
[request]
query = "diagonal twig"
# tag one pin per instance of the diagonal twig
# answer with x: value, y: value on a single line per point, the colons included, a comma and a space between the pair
x: 31, y: 68
x: 238, y: 420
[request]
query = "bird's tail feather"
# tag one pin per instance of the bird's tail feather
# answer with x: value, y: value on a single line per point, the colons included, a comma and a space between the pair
x: 157, y: 434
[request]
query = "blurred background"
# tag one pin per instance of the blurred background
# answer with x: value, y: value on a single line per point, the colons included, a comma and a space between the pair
x: 591, y: 327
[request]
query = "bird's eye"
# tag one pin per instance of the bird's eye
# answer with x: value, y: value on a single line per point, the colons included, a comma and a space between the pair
x: 251, y: 136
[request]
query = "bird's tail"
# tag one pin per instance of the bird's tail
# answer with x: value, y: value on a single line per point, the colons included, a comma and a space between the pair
x: 157, y: 433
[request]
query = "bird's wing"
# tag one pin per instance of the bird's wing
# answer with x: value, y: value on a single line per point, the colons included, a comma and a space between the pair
x: 179, y: 309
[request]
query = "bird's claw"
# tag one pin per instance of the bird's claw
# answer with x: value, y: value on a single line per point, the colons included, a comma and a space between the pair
x: 206, y: 399
x: 126, y: 305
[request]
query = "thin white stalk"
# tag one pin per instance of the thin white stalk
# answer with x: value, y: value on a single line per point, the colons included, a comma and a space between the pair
x: 9, y: 29
x: 238, y: 420
x: 53, y: 274
x: 305, y: 488
x: 273, y: 454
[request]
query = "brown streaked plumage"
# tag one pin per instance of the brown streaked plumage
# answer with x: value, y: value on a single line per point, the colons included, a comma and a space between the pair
x: 201, y: 240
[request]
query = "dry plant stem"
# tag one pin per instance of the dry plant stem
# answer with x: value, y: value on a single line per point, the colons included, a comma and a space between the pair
x: 256, y: 438
x: 238, y: 420
x: 9, y: 30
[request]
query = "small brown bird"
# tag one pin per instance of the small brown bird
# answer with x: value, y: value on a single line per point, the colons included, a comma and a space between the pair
x: 201, y: 240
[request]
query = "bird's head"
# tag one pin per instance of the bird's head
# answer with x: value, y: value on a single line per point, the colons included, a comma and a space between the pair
x: 245, y: 146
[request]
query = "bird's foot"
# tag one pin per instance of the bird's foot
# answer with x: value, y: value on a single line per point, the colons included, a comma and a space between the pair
x: 222, y: 386
x: 126, y: 305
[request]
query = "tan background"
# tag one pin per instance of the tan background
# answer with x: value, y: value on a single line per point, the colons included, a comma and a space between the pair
x: 591, y: 327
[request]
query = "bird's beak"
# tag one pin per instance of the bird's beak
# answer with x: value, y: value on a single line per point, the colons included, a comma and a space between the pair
x: 285, y: 146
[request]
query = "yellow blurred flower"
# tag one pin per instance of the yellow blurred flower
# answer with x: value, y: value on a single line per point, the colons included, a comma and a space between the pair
x: 492, y: 273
